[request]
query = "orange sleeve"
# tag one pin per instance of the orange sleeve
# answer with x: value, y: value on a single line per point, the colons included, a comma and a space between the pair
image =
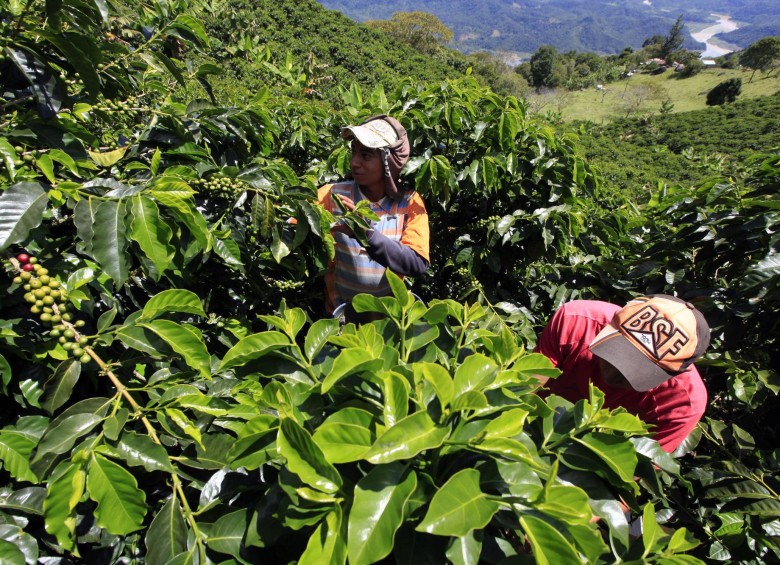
x: 324, y: 197
x: 416, y: 232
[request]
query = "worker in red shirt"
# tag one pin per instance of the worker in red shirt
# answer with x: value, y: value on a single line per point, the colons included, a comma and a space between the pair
x: 641, y: 356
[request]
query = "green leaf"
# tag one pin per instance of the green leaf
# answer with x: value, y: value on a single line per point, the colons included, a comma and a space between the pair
x: 228, y: 531
x: 151, y: 233
x: 187, y: 426
x: 395, y: 391
x: 109, y: 240
x: 138, y: 449
x: 185, y: 342
x: 458, y: 507
x: 58, y: 388
x: 9, y: 157
x: 173, y: 300
x: 617, y: 452
x: 27, y: 500
x: 137, y: 337
x: 318, y: 335
x: 227, y: 248
x: 378, y: 511
x: 465, y: 550
x: 548, y: 545
x: 63, y: 493
x: 10, y: 554
x: 477, y: 371
x: 48, y: 90
x: 21, y: 211
x: 84, y: 220
x: 439, y: 378
x: 167, y: 534
x: 305, y: 458
x: 15, y: 450
x: 345, y: 435
x: 407, y: 438
x: 121, y: 505
x: 106, y: 159
x: 253, y: 347
x: 63, y: 434
x: 328, y: 542
x: 349, y: 361
x: 256, y: 443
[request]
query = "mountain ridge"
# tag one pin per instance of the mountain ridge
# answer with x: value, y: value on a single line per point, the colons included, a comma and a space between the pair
x: 599, y: 26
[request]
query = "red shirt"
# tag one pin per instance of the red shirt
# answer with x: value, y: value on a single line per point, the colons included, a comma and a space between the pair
x: 673, y: 407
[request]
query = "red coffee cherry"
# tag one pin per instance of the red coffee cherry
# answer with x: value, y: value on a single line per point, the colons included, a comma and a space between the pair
x: 23, y: 258
x: 27, y: 267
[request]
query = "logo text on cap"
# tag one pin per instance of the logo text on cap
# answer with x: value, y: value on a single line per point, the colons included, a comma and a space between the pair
x: 655, y: 333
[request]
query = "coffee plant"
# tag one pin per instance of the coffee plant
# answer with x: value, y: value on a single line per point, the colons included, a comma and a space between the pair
x: 173, y: 395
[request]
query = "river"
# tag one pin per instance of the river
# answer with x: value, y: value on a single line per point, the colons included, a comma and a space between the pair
x: 724, y: 25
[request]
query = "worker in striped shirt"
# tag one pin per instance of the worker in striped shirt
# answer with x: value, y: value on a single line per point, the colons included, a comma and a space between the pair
x: 398, y: 240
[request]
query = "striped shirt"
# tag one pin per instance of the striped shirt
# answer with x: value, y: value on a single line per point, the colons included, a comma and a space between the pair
x: 353, y: 271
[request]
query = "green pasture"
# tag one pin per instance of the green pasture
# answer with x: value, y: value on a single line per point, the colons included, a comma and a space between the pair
x: 644, y: 93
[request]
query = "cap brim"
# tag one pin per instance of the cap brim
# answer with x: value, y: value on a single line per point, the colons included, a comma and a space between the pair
x: 365, y: 137
x: 640, y: 372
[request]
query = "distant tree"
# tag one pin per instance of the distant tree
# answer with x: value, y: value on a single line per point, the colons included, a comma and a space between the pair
x: 547, y: 68
x: 423, y: 31
x: 761, y: 55
x: 692, y: 67
x: 499, y: 76
x: 674, y: 40
x: 726, y: 91
x: 638, y: 97
x: 654, y: 40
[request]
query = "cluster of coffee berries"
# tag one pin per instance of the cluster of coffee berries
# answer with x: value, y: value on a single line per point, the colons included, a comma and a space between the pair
x: 287, y: 285
x: 221, y: 185
x: 48, y: 301
x: 129, y: 107
x: 484, y: 222
x: 24, y: 157
x: 462, y: 283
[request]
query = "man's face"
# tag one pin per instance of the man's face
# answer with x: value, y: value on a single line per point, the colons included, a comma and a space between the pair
x: 612, y: 376
x: 366, y: 165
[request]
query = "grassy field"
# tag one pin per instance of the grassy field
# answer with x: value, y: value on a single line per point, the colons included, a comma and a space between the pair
x: 644, y: 93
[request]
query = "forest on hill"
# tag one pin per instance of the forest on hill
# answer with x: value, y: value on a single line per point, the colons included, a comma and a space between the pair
x: 580, y: 25
x: 172, y: 393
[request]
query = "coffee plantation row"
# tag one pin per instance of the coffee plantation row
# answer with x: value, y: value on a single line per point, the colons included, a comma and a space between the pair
x: 184, y: 400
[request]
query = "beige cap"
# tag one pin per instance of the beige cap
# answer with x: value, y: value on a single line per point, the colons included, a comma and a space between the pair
x: 374, y: 134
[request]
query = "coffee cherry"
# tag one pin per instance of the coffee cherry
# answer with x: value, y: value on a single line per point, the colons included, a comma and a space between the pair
x: 23, y: 258
x: 28, y: 267
x: 77, y: 351
x: 69, y: 333
x: 85, y: 358
x: 17, y: 280
x: 25, y: 275
x: 45, y: 317
x: 79, y: 323
x: 83, y: 340
x: 33, y: 260
x: 55, y: 333
x: 63, y: 340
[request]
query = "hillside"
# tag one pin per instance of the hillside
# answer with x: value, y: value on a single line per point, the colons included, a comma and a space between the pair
x: 645, y: 93
x: 580, y: 25
x: 634, y: 154
x: 246, y: 34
